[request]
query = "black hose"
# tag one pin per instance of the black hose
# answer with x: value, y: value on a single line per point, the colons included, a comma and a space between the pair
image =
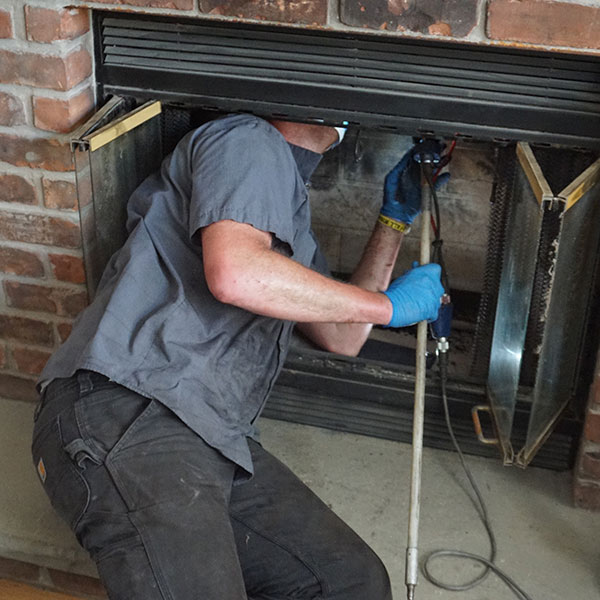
x: 480, y: 505
x: 437, y: 255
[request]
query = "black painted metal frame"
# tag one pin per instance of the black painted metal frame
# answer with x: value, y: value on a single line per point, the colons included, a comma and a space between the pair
x: 403, y: 85
x: 377, y: 399
x: 412, y: 86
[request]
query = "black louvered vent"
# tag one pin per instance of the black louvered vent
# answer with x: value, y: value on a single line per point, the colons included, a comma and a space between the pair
x: 413, y: 86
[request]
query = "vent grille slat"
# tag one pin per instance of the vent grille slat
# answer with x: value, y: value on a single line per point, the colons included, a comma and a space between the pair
x: 337, y: 42
x: 449, y: 88
x: 261, y: 66
x: 410, y: 86
x: 402, y: 57
x: 189, y: 51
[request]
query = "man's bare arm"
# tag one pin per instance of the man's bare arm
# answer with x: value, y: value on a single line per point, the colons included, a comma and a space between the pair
x: 242, y: 269
x: 373, y: 273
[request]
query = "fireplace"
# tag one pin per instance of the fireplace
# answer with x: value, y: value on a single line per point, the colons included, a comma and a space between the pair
x: 522, y: 254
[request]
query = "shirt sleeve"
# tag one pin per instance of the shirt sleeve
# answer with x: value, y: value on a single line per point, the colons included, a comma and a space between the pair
x: 243, y: 171
x: 319, y: 262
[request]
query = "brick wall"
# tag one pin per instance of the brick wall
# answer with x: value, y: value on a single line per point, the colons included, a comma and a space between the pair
x: 46, y: 91
x: 587, y: 471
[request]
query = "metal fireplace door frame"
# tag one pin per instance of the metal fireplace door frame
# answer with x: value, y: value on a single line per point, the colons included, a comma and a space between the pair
x: 569, y: 258
x: 128, y: 144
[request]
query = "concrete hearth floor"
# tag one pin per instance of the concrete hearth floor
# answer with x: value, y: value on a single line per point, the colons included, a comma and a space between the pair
x: 548, y: 546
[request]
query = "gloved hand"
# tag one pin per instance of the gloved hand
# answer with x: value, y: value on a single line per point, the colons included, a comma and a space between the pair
x: 402, y: 190
x: 416, y: 295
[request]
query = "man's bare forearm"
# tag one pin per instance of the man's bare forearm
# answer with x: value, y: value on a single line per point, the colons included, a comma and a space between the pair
x: 373, y: 273
x: 375, y: 267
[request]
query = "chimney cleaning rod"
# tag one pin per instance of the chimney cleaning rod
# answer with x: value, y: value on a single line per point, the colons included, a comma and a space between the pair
x: 412, y: 552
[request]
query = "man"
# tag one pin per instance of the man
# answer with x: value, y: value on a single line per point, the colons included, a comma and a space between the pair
x: 144, y: 438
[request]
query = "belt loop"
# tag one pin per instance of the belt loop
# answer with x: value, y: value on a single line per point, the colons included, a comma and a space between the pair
x: 40, y: 405
x: 84, y: 379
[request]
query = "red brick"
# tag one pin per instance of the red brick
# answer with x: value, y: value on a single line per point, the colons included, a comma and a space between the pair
x: 591, y: 430
x: 6, y: 30
x: 30, y: 361
x: 78, y: 585
x: 67, y: 268
x: 544, y: 22
x: 17, y: 189
x: 30, y: 297
x: 52, y: 114
x: 74, y: 303
x: 440, y: 29
x: 308, y: 11
x: 589, y: 465
x: 60, y: 301
x: 586, y: 495
x: 64, y: 330
x: 11, y: 110
x: 38, y: 229
x: 37, y: 153
x: 59, y: 194
x: 2, y: 356
x: 175, y: 4
x: 47, y: 25
x: 438, y: 17
x: 17, y: 388
x: 595, y: 390
x: 31, y: 331
x: 20, y: 262
x: 53, y: 72
x: 26, y: 330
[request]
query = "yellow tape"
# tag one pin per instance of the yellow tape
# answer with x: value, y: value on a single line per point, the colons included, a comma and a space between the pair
x: 396, y: 225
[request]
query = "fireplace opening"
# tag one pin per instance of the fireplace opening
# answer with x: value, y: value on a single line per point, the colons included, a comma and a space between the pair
x: 517, y: 213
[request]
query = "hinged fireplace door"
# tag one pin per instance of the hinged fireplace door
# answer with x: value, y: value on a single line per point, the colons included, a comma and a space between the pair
x: 113, y: 153
x: 544, y: 297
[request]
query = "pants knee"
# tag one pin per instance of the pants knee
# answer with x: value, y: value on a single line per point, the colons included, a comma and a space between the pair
x: 377, y: 582
x: 365, y: 578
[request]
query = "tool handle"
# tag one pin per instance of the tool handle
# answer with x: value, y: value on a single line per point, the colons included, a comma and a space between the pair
x: 419, y: 407
x: 441, y: 327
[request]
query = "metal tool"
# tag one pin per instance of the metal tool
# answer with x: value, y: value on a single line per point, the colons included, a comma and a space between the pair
x: 426, y: 153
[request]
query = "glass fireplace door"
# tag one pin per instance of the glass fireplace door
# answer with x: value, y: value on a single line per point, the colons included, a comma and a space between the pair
x: 544, y: 299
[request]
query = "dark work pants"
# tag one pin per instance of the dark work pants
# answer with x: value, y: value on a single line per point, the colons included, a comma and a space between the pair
x: 158, y: 512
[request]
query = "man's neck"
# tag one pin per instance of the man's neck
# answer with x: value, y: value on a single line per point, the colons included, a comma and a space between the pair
x: 317, y: 138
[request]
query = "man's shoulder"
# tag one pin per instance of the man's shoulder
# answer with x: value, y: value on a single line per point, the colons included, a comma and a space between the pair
x: 235, y: 138
x: 240, y: 125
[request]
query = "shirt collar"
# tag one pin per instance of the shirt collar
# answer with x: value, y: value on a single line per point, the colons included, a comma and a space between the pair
x: 306, y: 161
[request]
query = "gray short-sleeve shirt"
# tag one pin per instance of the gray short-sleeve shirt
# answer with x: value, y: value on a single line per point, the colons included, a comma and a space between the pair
x: 154, y: 326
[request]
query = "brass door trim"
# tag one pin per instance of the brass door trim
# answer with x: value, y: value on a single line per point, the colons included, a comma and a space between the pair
x: 533, y: 171
x: 121, y: 126
x: 582, y: 184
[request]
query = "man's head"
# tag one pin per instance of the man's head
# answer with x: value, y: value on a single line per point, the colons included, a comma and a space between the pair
x: 318, y: 138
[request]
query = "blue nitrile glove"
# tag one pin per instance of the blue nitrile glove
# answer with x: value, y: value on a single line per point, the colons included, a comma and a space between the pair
x: 416, y: 295
x: 402, y: 190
